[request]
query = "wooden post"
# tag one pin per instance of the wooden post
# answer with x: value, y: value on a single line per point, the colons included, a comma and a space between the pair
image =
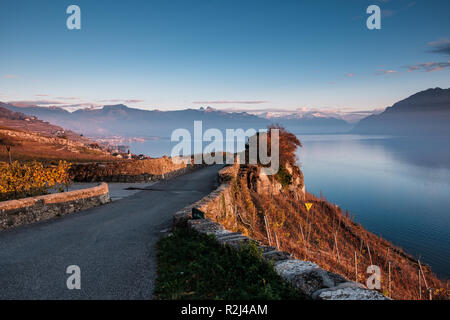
x: 389, y: 279
x: 309, y: 231
x: 370, y: 256
x: 276, y: 239
x: 8, y: 148
x: 304, y: 240
x: 235, y: 214
x: 356, y: 268
x: 387, y: 257
x: 337, y: 249
x: 430, y: 293
x: 420, y: 287
x: 423, y: 275
x: 267, y: 230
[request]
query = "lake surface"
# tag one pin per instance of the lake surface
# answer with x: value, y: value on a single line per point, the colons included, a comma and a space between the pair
x: 396, y: 187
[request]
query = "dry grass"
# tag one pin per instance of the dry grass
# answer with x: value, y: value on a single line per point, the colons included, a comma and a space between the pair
x: 30, y: 146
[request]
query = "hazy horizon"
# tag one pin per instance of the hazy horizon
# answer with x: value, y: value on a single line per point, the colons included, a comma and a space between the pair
x: 230, y: 55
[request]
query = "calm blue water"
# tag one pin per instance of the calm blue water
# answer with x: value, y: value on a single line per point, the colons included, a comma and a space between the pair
x: 396, y: 187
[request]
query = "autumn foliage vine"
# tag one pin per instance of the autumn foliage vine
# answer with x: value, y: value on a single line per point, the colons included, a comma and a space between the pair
x: 19, y: 180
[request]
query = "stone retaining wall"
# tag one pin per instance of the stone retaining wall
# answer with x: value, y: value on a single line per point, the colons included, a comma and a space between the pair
x: 105, y: 176
x: 306, y: 276
x: 25, y: 211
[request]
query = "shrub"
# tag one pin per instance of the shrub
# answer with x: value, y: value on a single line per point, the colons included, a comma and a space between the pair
x: 288, y: 143
x: 31, y: 179
x: 284, y: 177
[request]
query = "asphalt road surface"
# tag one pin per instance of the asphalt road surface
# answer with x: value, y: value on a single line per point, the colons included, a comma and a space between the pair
x: 113, y: 245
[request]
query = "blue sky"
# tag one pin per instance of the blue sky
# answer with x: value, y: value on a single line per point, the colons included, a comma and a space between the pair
x: 229, y: 54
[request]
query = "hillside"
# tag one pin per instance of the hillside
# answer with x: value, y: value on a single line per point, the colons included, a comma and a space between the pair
x: 424, y: 113
x: 272, y: 210
x: 34, y: 139
x: 129, y: 122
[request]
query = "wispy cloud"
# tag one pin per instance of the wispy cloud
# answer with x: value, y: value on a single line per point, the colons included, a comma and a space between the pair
x: 440, y: 46
x: 411, y: 4
x: 230, y: 102
x: 134, y: 101
x: 386, y: 13
x: 386, y: 72
x: 10, y: 76
x: 29, y: 103
x: 399, y: 8
x: 110, y: 100
x: 121, y: 101
x: 68, y: 103
x: 429, y: 66
x: 68, y: 98
x: 350, y: 75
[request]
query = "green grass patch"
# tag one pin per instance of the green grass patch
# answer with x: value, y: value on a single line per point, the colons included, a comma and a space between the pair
x: 194, y: 266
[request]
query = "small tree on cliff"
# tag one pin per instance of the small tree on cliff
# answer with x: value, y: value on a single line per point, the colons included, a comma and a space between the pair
x: 288, y: 143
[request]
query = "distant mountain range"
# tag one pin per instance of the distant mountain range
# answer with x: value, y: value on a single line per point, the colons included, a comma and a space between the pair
x: 424, y: 113
x: 129, y: 122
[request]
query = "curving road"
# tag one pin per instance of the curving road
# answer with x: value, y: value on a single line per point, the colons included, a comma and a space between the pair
x: 112, y: 244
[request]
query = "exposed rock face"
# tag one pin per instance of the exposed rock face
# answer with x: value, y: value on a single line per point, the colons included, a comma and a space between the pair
x: 265, y: 184
x: 313, y: 281
x: 297, y: 184
x: 262, y: 183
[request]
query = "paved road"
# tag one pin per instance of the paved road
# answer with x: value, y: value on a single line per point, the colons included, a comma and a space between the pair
x: 112, y: 244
